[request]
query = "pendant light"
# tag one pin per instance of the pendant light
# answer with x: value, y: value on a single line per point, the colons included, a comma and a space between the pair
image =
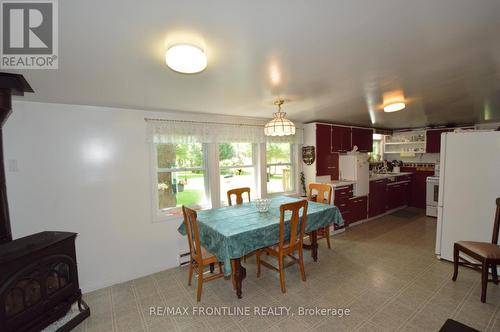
x: 279, y: 125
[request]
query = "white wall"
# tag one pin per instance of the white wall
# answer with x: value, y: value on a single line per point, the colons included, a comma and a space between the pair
x: 87, y: 170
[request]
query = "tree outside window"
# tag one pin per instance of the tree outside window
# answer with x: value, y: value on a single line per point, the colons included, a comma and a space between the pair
x: 181, y: 176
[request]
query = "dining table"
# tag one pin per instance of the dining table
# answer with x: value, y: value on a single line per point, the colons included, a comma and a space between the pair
x: 232, y: 232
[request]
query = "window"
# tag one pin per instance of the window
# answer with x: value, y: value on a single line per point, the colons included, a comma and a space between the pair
x: 181, y: 170
x: 237, y: 168
x: 279, y: 167
x: 377, y: 153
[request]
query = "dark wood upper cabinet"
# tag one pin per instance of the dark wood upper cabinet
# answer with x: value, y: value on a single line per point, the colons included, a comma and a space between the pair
x: 323, y: 133
x: 327, y: 163
x: 363, y: 139
x: 433, y: 140
x: 341, y: 139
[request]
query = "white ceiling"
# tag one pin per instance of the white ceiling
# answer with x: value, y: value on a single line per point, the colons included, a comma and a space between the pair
x: 336, y: 58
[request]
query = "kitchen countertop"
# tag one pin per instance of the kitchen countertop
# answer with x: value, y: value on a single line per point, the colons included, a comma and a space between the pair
x: 389, y: 175
x: 340, y: 183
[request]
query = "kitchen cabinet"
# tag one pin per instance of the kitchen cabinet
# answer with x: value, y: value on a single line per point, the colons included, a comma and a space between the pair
x: 340, y: 139
x: 343, y: 192
x: 363, y: 139
x: 352, y: 208
x: 398, y: 194
x: 341, y: 199
x: 327, y: 163
x: 405, y: 193
x: 418, y: 185
x: 433, y: 140
x: 393, y: 191
x: 329, y: 140
x: 358, y: 207
x: 377, y: 199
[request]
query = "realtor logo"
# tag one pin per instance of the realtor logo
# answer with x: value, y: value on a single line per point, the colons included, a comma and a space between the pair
x: 29, y: 34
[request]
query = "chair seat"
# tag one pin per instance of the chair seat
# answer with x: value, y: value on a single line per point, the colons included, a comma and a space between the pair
x: 483, y: 249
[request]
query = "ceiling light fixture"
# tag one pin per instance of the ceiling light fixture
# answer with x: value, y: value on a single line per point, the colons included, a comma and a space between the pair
x: 394, y: 107
x: 186, y: 59
x: 279, y: 125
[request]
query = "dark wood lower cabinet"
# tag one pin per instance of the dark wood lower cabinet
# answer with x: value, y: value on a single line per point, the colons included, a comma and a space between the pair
x: 398, y: 194
x: 377, y: 199
x: 358, y: 208
x: 344, y: 208
x: 384, y: 195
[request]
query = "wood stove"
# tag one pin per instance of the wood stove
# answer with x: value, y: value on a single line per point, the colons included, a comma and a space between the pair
x: 38, y: 273
x: 39, y: 281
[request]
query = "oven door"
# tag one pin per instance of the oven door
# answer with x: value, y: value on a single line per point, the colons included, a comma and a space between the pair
x: 432, y: 195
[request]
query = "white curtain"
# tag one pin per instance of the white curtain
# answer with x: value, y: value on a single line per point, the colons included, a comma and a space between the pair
x: 182, y: 132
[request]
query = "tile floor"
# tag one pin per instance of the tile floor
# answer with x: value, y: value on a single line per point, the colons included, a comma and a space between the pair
x: 384, y: 271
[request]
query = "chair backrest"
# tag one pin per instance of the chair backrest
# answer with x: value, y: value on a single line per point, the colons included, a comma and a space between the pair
x: 296, y: 236
x: 191, y: 225
x: 239, y: 195
x: 496, y: 225
x: 323, y: 193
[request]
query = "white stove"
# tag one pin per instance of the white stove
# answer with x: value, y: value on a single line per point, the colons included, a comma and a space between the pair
x: 432, y: 194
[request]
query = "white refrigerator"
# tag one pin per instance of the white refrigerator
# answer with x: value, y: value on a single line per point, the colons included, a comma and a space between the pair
x: 469, y: 184
x: 355, y: 167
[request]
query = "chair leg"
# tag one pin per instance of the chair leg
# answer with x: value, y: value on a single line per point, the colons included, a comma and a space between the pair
x: 282, y: 273
x: 257, y: 259
x: 301, y: 265
x: 484, y: 281
x: 494, y: 272
x: 212, y: 267
x: 455, y: 262
x: 200, y: 283
x: 327, y: 234
x: 190, y: 276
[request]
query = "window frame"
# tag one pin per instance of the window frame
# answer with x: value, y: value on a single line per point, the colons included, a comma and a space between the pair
x: 160, y: 215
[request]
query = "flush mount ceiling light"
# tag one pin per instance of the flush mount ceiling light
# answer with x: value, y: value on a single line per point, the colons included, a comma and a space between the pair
x: 186, y: 59
x: 279, y: 125
x: 394, y: 101
x: 394, y: 107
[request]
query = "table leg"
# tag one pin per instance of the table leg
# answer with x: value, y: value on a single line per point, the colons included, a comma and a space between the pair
x: 240, y: 273
x: 314, y: 245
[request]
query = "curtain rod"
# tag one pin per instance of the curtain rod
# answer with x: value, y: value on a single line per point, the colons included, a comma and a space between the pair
x: 203, y: 122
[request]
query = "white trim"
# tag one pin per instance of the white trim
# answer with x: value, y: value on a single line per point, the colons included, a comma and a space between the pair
x: 340, y: 125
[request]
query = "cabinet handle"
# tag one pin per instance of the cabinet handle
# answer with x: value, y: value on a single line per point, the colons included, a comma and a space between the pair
x: 330, y: 167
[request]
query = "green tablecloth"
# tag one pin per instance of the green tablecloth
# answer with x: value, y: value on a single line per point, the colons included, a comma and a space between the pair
x: 235, y: 231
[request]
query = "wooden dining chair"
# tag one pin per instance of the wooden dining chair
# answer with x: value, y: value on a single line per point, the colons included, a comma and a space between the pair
x: 321, y: 193
x: 239, y: 200
x: 488, y: 254
x: 238, y: 192
x: 199, y: 256
x: 288, y: 243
